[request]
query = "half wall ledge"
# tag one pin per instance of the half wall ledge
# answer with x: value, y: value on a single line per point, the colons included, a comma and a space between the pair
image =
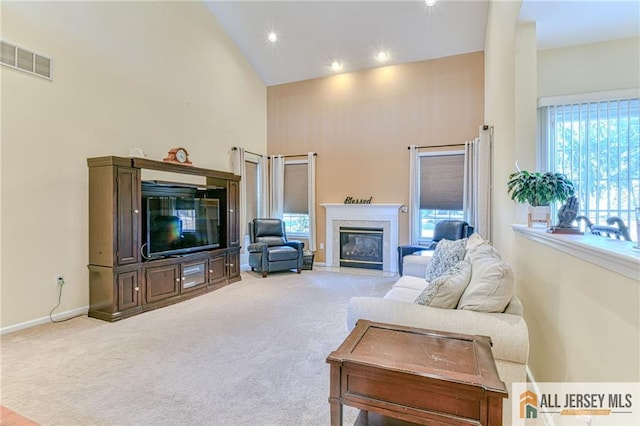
x: 615, y: 255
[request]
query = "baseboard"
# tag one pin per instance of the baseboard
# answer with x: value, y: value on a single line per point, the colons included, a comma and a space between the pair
x: 547, y: 418
x: 246, y: 267
x: 45, y: 320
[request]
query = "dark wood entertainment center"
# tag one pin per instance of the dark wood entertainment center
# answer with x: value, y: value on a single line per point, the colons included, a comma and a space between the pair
x: 122, y: 282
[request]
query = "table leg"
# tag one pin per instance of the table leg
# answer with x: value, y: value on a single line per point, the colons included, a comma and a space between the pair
x: 334, y: 395
x: 336, y: 413
x: 495, y: 411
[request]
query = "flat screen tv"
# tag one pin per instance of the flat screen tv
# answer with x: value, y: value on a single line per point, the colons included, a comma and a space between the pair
x: 179, y: 223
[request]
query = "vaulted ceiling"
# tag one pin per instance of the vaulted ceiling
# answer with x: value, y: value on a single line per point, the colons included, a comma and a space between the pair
x: 311, y: 35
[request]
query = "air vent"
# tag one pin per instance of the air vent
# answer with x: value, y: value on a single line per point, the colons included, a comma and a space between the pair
x: 25, y: 60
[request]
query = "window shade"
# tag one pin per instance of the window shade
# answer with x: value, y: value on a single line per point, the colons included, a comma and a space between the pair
x: 596, y: 145
x: 295, y: 188
x: 251, y: 182
x: 441, y: 182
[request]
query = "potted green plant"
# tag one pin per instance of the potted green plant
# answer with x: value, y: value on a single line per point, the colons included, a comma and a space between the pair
x: 539, y: 190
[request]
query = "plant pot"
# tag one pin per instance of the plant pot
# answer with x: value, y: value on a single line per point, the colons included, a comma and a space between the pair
x: 539, y: 214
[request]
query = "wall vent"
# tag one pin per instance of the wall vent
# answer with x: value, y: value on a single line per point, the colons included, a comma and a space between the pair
x: 25, y: 60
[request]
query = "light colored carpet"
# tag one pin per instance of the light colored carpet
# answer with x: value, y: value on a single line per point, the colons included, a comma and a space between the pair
x: 251, y: 353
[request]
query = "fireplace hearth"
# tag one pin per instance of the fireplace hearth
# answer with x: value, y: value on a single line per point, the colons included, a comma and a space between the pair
x: 361, y: 247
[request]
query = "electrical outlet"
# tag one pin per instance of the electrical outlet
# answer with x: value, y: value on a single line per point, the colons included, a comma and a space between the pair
x: 60, y: 280
x: 321, y: 246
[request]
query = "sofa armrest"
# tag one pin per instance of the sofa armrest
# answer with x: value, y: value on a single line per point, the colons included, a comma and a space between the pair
x: 405, y: 251
x: 408, y: 249
x: 298, y: 245
x: 257, y: 247
x: 508, y: 332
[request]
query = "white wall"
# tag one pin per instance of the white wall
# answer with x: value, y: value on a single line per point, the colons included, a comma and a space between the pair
x: 500, y: 94
x: 526, y: 102
x: 583, y: 320
x: 589, y: 68
x: 153, y: 75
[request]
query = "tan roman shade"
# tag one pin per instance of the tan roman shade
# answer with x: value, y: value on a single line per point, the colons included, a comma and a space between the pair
x: 441, y: 182
x: 251, y: 182
x: 295, y: 188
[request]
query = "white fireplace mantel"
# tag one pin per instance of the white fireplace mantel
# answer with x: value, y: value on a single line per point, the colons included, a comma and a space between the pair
x: 384, y: 216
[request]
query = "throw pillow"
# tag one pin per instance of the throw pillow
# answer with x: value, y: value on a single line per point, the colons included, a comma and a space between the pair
x: 445, y: 291
x: 474, y: 242
x: 480, y: 251
x: 447, y: 254
x: 492, y: 283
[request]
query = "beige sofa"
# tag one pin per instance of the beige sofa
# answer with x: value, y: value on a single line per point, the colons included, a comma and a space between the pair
x: 507, y: 329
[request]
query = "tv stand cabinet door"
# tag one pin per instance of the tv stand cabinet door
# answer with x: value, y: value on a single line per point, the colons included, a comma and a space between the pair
x: 233, y: 264
x: 161, y: 282
x: 128, y: 285
x: 233, y: 218
x: 128, y: 215
x: 194, y: 274
x: 217, y: 268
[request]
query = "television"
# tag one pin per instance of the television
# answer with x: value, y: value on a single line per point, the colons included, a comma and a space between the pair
x: 178, y: 220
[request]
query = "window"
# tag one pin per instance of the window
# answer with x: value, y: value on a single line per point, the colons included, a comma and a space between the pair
x: 252, y: 186
x: 441, y: 189
x: 185, y: 211
x: 187, y: 219
x: 296, y: 208
x: 597, y: 145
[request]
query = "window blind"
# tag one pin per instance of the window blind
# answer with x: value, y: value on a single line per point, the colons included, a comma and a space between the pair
x: 596, y: 144
x: 441, y: 182
x: 295, y: 188
x: 251, y: 182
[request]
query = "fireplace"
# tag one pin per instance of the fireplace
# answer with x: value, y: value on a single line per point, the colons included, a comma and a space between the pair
x: 376, y: 216
x: 361, y: 247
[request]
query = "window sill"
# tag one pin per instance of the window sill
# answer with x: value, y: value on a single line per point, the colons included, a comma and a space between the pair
x: 292, y: 235
x: 615, y: 255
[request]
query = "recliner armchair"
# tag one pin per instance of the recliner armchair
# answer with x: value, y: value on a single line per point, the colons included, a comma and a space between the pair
x: 447, y: 229
x: 270, y: 250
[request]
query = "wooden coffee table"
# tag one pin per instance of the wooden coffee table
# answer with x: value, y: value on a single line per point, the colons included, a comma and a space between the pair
x: 416, y: 375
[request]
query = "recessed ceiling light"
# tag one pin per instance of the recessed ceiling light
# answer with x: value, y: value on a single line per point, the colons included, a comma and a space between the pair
x: 431, y: 3
x: 382, y: 56
x: 336, y: 66
x: 272, y: 37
